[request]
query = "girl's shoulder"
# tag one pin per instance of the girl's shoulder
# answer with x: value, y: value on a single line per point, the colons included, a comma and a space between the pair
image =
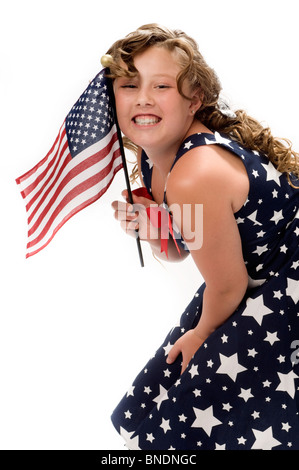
x: 209, y: 173
x: 204, y: 163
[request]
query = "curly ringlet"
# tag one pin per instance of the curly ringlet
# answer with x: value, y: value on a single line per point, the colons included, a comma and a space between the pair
x: 239, y: 125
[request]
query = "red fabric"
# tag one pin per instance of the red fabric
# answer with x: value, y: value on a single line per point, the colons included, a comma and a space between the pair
x: 159, y: 218
x: 142, y: 192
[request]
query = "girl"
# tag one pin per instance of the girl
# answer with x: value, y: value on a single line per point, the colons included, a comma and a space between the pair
x: 227, y: 377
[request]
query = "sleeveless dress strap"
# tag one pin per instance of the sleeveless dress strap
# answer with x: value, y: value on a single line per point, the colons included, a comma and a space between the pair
x: 192, y: 141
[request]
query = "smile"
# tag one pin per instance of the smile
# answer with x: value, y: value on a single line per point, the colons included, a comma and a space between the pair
x: 146, y: 120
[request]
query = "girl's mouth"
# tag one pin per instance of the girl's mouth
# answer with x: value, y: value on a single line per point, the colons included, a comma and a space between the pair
x: 146, y: 120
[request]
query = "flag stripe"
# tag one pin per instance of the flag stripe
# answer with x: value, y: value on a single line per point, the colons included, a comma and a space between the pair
x: 77, y: 170
x: 38, y: 199
x: 30, y: 177
x: 66, y: 218
x: 76, y: 204
x: 74, y: 175
x: 71, y: 169
x: 62, y: 158
x: 66, y: 163
x: 45, y: 176
x: 98, y: 181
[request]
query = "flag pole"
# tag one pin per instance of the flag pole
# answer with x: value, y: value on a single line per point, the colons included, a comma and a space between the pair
x: 106, y: 61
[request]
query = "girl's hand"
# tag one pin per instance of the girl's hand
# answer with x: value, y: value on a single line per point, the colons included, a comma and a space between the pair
x: 187, y: 345
x: 134, y: 217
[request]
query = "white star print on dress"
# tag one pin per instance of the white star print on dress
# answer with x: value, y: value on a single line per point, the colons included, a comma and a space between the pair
x: 240, y: 391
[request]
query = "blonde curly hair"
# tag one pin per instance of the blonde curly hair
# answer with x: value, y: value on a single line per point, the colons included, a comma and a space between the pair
x: 213, y: 113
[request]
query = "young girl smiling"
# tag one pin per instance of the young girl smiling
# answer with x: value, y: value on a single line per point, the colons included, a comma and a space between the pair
x: 216, y: 381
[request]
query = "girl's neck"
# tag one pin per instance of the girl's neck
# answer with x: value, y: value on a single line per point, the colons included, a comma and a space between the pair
x: 162, y: 159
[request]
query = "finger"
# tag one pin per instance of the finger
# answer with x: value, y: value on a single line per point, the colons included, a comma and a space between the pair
x: 130, y: 228
x: 136, y: 199
x: 123, y: 211
x: 121, y: 206
x: 143, y: 201
x: 125, y: 216
x: 173, y: 354
x: 125, y: 194
x: 184, y: 366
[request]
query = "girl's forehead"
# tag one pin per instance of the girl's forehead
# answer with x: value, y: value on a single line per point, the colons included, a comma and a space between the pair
x: 156, y: 52
x: 157, y: 58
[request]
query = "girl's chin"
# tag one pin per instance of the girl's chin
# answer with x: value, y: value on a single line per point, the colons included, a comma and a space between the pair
x: 143, y: 135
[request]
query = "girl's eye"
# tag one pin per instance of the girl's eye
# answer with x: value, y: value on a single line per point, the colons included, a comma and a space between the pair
x: 163, y: 86
x: 130, y: 85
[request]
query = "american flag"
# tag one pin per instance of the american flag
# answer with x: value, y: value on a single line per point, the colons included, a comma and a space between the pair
x: 77, y: 170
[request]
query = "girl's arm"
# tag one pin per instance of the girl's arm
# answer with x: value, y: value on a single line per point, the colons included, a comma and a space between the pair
x: 200, y: 180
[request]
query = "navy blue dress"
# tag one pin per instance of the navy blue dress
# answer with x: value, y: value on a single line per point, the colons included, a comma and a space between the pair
x: 241, y: 389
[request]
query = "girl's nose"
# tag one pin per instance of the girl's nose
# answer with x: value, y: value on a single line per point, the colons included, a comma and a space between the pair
x: 144, y: 97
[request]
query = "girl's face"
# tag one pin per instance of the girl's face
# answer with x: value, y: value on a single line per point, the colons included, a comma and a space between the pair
x: 151, y: 111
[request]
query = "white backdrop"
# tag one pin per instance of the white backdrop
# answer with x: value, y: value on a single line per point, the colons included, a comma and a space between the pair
x: 81, y: 318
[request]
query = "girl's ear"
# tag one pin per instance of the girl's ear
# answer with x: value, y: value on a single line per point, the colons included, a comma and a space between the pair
x: 196, y: 100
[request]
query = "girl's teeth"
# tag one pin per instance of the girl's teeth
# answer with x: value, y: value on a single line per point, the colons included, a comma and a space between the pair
x: 146, y: 120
